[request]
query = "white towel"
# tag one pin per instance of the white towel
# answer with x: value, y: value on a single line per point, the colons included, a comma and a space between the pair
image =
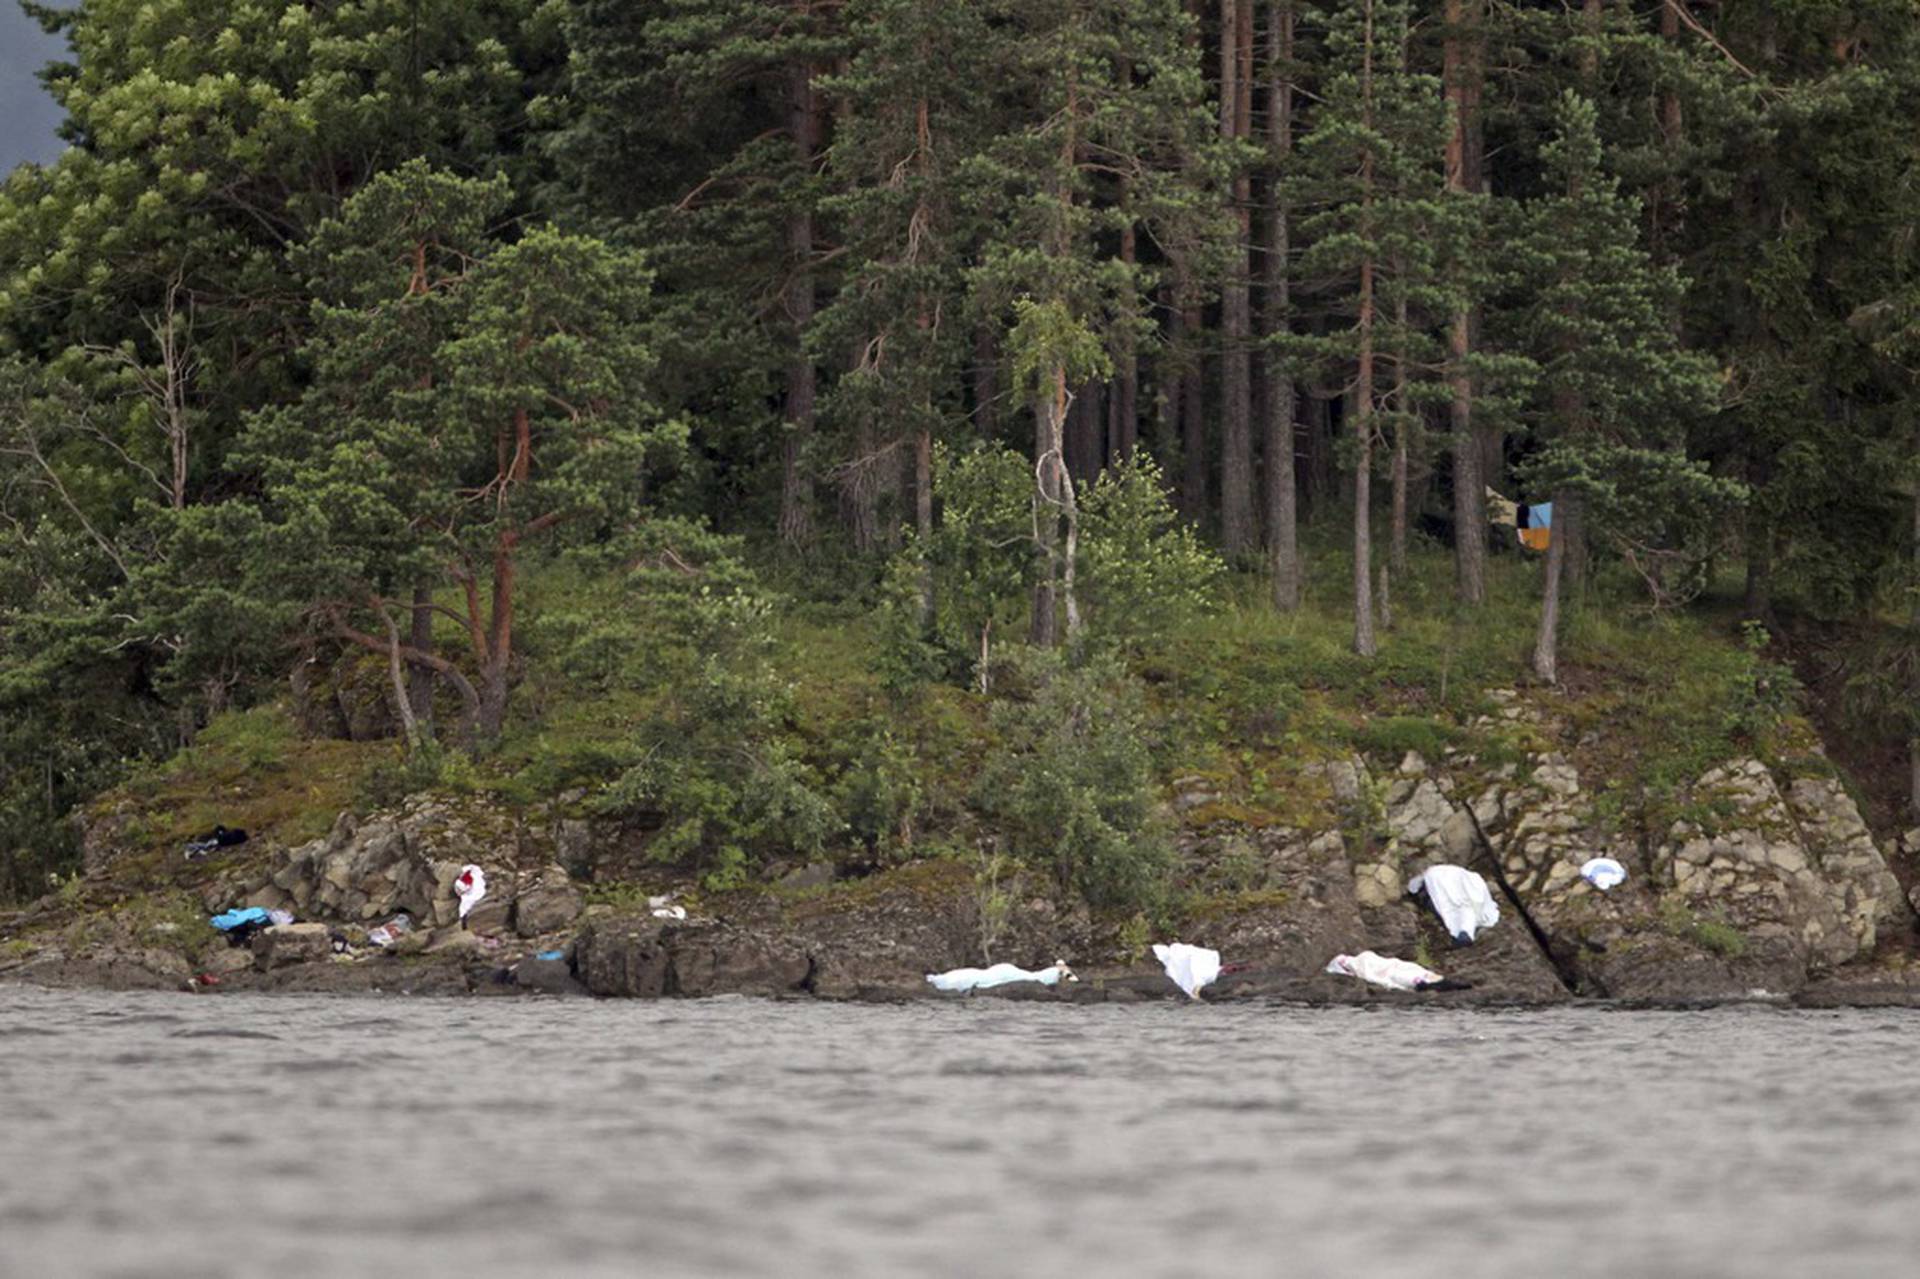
x: 1394, y: 974
x: 1461, y: 898
x: 1191, y: 967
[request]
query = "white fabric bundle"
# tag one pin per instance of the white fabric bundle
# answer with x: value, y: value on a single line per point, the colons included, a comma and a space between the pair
x: 1394, y: 974
x: 1604, y: 873
x: 472, y: 886
x: 965, y: 979
x: 1191, y: 967
x: 1460, y: 897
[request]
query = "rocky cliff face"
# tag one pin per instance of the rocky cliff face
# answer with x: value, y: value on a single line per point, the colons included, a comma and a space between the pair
x: 1756, y: 882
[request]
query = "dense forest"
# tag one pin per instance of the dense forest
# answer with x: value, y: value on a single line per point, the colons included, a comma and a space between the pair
x: 572, y: 374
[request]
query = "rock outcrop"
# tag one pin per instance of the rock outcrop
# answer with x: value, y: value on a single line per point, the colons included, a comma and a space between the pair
x: 1751, y: 880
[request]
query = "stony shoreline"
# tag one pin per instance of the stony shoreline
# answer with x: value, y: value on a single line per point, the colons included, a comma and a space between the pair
x: 1763, y: 883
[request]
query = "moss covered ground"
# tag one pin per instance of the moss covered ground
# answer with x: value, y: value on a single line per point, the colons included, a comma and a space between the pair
x: 1241, y: 704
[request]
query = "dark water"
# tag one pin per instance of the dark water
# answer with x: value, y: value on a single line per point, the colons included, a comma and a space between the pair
x: 180, y: 1135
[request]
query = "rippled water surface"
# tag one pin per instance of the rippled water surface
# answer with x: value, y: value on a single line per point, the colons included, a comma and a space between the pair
x: 246, y: 1135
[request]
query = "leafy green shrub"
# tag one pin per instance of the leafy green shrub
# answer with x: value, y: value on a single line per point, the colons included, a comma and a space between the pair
x: 432, y: 767
x: 1146, y: 573
x: 1393, y: 736
x: 881, y: 793
x: 1764, y: 692
x: 714, y: 762
x: 1713, y: 933
x: 1070, y: 784
x: 980, y: 557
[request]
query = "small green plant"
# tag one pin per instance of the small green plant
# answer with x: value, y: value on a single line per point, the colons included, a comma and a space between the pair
x: 1764, y: 692
x: 715, y: 765
x: 1136, y: 938
x: 1392, y: 736
x: 430, y: 767
x: 993, y: 902
x: 1071, y: 786
x: 881, y: 793
x: 1713, y: 933
x: 1147, y: 573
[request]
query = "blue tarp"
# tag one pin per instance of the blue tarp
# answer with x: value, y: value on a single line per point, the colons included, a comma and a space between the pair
x: 234, y: 918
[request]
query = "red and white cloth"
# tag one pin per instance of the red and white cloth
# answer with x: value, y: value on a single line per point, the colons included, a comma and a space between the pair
x: 472, y: 886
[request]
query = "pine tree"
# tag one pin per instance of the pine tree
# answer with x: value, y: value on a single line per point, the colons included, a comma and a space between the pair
x: 698, y: 131
x: 1615, y: 392
x: 915, y: 105
x: 1105, y: 88
x: 1368, y: 183
x: 470, y: 399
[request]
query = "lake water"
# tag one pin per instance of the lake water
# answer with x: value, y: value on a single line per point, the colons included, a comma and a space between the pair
x: 160, y: 1135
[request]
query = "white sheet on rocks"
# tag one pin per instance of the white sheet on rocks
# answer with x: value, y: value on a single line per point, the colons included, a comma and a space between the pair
x: 1191, y: 967
x: 1394, y: 974
x: 472, y: 886
x: 1604, y: 873
x: 964, y: 979
x: 1461, y: 898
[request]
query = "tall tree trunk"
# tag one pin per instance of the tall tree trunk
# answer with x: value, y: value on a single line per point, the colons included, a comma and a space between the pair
x: 1283, y: 518
x: 420, y: 677
x: 923, y: 516
x: 1237, y: 533
x: 1319, y: 450
x: 1402, y: 433
x: 1168, y: 384
x: 1663, y: 211
x: 402, y: 698
x: 1126, y: 385
x: 1193, y: 424
x: 1575, y: 529
x: 1089, y: 422
x: 1461, y: 66
x: 796, y: 486
x: 1049, y: 472
x: 497, y: 659
x: 1546, y: 642
x: 860, y: 490
x: 1363, y: 641
x: 1913, y: 623
x: 986, y: 381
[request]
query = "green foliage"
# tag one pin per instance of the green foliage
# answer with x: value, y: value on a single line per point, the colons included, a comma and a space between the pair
x: 980, y: 557
x: 713, y: 765
x: 1713, y: 933
x: 993, y: 901
x: 431, y: 767
x: 1147, y: 573
x: 1764, y: 692
x: 881, y: 793
x: 1390, y: 737
x: 1070, y: 784
x: 470, y: 397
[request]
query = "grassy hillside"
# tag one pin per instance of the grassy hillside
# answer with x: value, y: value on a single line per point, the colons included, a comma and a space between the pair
x: 808, y: 745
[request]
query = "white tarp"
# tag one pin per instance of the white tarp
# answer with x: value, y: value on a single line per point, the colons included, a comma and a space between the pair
x: 1460, y: 897
x: 964, y: 979
x: 1191, y: 967
x: 472, y: 886
x: 1604, y: 873
x: 1394, y: 974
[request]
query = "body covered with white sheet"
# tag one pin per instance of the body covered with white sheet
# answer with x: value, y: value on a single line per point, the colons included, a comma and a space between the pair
x: 1459, y: 897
